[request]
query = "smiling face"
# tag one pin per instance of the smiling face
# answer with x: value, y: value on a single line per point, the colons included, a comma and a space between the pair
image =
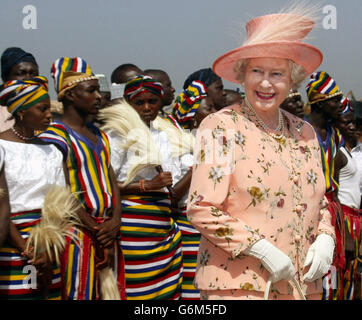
x: 147, y: 106
x: 267, y: 83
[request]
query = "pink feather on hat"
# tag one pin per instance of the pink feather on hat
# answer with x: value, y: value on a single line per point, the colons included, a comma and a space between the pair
x: 274, y: 36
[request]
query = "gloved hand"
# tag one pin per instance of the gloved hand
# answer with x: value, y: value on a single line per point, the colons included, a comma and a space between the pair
x: 274, y: 260
x: 320, y: 255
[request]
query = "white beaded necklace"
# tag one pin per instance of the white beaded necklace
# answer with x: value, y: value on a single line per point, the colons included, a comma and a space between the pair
x: 279, y: 137
x: 21, y: 136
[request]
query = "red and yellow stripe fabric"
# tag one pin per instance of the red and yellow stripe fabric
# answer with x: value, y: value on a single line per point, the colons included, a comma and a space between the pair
x: 88, y: 166
x: 329, y: 149
x: 16, y: 279
x: 151, y: 245
x: 190, y: 247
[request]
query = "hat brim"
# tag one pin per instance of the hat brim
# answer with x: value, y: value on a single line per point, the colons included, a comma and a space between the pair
x: 306, y: 55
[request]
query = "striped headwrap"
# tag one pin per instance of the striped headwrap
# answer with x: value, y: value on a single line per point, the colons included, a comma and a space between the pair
x: 140, y: 84
x: 207, y: 76
x: 346, y: 105
x: 20, y: 95
x: 68, y: 72
x: 321, y: 87
x: 187, y: 103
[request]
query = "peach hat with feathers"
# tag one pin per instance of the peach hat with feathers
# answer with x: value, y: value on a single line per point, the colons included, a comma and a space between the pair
x: 274, y: 36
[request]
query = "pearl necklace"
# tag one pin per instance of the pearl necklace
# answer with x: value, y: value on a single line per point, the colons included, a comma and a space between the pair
x: 279, y: 137
x: 21, y: 136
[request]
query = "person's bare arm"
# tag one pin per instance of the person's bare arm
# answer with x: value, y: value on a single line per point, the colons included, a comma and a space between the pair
x: 4, y: 208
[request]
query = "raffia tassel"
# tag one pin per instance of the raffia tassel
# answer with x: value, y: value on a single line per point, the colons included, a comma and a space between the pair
x: 182, y: 141
x: 47, y: 238
x: 60, y: 207
x: 108, y: 285
x: 59, y: 214
x: 136, y: 137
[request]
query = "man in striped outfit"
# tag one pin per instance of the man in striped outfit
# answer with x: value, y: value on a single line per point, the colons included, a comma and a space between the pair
x: 325, y: 99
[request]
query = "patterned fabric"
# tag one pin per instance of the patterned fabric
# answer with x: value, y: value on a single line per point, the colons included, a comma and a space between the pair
x: 173, y: 121
x: 20, y: 95
x: 11, y: 57
x: 346, y: 105
x: 350, y: 278
x: 87, y: 164
x: 333, y: 280
x: 81, y: 255
x: 151, y: 245
x: 235, y: 294
x: 206, y: 76
x: 88, y: 172
x: 65, y: 64
x: 321, y: 86
x: 246, y: 186
x: 140, y: 84
x: 329, y: 149
x: 14, y: 269
x: 187, y: 103
x: 190, y: 248
x: 353, y: 225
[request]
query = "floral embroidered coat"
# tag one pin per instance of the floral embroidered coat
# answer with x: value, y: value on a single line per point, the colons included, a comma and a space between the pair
x: 246, y: 186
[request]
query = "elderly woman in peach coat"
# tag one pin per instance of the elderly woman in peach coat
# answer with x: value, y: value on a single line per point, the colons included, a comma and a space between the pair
x: 257, y: 190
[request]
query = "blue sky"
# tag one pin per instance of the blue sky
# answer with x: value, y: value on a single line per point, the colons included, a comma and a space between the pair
x: 176, y: 36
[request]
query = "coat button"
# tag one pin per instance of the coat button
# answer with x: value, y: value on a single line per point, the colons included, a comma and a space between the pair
x: 298, y: 208
x: 297, y: 238
x: 296, y: 179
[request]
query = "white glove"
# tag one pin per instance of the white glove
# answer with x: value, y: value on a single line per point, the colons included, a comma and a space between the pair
x: 320, y: 255
x: 274, y: 260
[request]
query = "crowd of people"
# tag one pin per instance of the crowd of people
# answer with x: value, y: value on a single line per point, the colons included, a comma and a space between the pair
x: 121, y: 190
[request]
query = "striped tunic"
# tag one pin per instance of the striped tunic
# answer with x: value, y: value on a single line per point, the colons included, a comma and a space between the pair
x: 88, y: 171
x: 88, y: 166
x: 329, y: 149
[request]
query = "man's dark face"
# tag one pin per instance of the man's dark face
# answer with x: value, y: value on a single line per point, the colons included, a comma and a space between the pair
x: 347, y: 124
x: 128, y: 74
x: 23, y: 71
x: 294, y: 105
x: 332, y: 107
x: 217, y: 93
x: 168, y: 89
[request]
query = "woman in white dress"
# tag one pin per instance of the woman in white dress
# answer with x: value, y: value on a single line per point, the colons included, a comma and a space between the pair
x: 145, y: 166
x: 31, y: 167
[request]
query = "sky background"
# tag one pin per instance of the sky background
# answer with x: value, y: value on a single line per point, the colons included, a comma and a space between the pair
x: 178, y: 36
